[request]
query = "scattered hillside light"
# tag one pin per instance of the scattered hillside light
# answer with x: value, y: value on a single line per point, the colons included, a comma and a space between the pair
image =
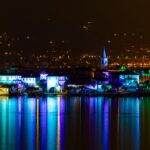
x: 49, y: 19
x: 141, y: 37
x: 85, y: 27
x: 132, y: 46
x: 28, y: 37
x: 51, y: 42
x: 124, y: 34
x: 6, y: 53
x: 8, y: 44
x: 115, y: 34
x: 90, y: 22
x: 141, y: 48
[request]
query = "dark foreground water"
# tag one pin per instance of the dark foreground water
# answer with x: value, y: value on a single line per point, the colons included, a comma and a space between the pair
x: 60, y: 123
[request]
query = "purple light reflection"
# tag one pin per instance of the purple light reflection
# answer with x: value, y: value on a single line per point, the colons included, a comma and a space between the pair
x: 106, y: 125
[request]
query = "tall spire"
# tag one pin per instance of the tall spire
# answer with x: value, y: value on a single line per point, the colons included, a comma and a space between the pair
x: 104, y: 53
x: 104, y: 59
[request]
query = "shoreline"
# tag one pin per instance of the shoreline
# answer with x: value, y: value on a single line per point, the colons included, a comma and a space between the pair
x: 134, y: 94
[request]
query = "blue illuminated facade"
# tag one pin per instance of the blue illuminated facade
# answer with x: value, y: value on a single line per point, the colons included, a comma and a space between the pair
x: 56, y: 83
x: 9, y: 79
x: 126, y: 80
x: 53, y: 84
x: 30, y: 81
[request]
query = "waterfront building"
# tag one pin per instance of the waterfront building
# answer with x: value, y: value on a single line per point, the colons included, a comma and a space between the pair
x: 75, y: 81
x: 55, y: 84
x: 145, y: 75
x: 14, y: 79
x: 4, y: 91
x: 18, y: 83
x: 126, y: 80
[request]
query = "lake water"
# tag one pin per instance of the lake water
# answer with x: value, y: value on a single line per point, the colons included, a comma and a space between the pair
x: 74, y: 123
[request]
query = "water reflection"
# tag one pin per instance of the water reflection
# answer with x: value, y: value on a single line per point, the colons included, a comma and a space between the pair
x: 61, y: 123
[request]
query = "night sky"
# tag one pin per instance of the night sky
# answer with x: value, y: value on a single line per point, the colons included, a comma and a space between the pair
x: 85, y: 24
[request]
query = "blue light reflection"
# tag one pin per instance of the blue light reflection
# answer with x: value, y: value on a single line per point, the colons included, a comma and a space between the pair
x: 64, y: 123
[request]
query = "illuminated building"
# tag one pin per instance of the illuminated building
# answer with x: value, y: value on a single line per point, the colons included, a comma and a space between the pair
x: 76, y: 81
x: 9, y: 79
x: 145, y: 75
x: 127, y: 80
x: 54, y: 84
x: 4, y: 91
x: 30, y: 81
x: 14, y: 79
x: 43, y: 76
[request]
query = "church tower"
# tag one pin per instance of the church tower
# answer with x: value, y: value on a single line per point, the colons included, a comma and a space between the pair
x: 104, y: 59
